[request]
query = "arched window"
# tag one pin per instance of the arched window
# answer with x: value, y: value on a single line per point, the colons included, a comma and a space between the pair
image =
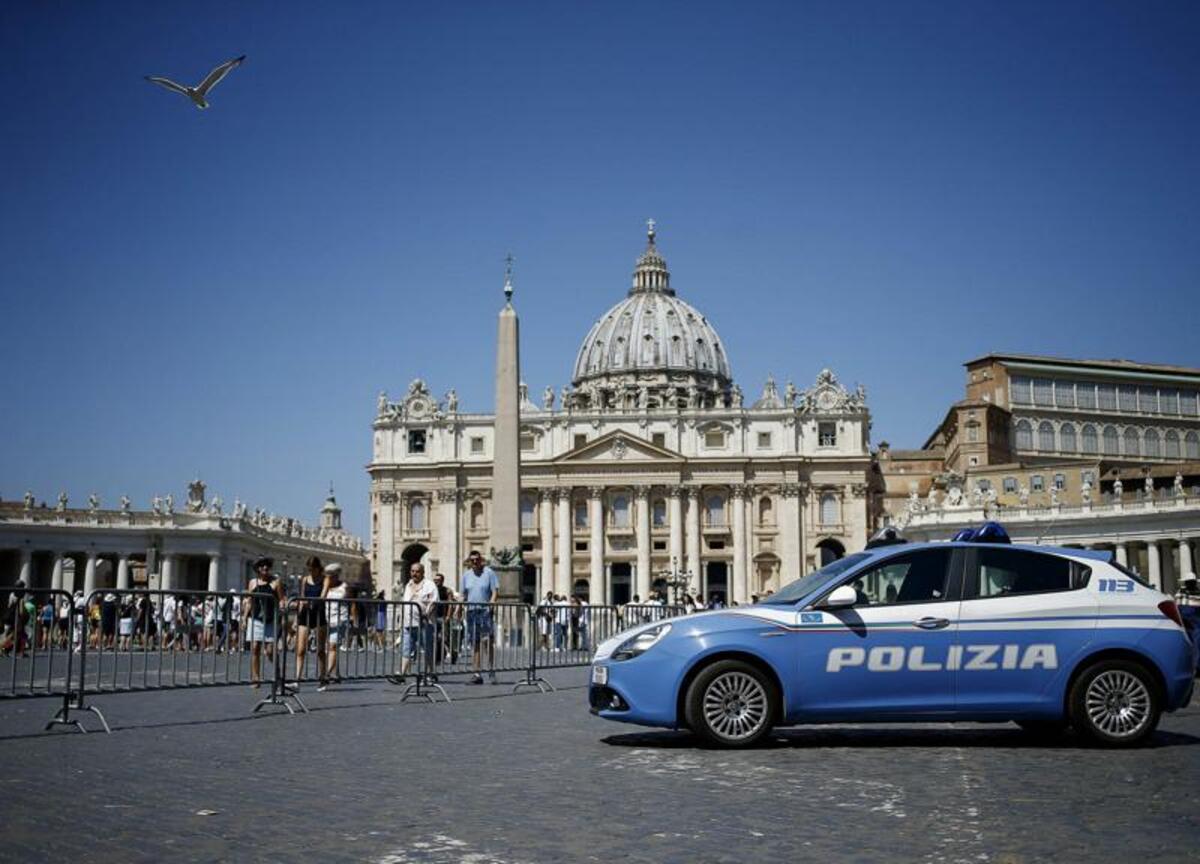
x: 1024, y: 435
x: 581, y: 514
x: 476, y: 515
x: 1066, y: 438
x: 1191, y: 446
x: 416, y: 516
x: 620, y: 511
x: 1111, y: 441
x: 1172, y: 450
x: 526, y: 513
x: 1132, y: 445
x: 1046, y: 437
x: 1091, y: 443
x: 714, y: 510
x: 829, y: 509
x: 766, y: 513
x: 1152, y: 448
x: 658, y: 513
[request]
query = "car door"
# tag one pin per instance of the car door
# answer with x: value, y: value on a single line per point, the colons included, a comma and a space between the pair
x: 1024, y: 620
x: 886, y: 654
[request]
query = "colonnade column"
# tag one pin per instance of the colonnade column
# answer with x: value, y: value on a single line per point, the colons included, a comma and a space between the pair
x: 642, y: 503
x: 1122, y: 555
x: 56, y: 576
x: 1154, y: 565
x: 123, y: 573
x: 562, y: 572
x: 448, y: 558
x: 214, y: 572
x: 599, y: 586
x: 739, y: 592
x: 693, y: 538
x: 789, y: 528
x: 675, y: 496
x: 1185, y: 559
x: 546, y: 580
x: 26, y: 577
x: 166, y: 571
x: 89, y: 574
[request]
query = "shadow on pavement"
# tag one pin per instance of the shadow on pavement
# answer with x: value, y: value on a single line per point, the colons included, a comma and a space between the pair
x: 864, y: 738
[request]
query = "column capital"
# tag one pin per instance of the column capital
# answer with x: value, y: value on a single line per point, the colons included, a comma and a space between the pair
x: 676, y: 491
x: 641, y: 492
x: 692, y: 492
x: 448, y: 495
x: 596, y: 492
x: 738, y: 490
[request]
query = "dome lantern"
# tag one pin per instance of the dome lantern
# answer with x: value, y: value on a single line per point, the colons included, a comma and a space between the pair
x: 651, y: 274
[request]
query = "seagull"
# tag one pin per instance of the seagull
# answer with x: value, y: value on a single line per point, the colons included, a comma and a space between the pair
x: 197, y: 93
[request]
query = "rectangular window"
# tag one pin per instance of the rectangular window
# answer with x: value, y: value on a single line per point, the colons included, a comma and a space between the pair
x: 581, y: 546
x: 1087, y: 477
x: 528, y: 442
x: 476, y: 445
x: 1060, y: 482
x: 1021, y: 391
x: 1043, y: 392
x: 1107, y: 397
x: 764, y: 440
x: 1147, y: 400
x: 1037, y: 483
x: 714, y: 439
x: 659, y: 439
x: 526, y: 547
x: 416, y: 441
x: 827, y: 434
x: 1010, y: 484
x: 1085, y: 396
x: 984, y: 485
x: 1128, y: 398
x: 973, y: 432
x: 1010, y: 572
x: 1064, y: 394
x: 716, y: 544
x: 581, y: 514
x: 660, y: 545
x: 1187, y: 403
x: 1168, y: 401
x: 580, y: 440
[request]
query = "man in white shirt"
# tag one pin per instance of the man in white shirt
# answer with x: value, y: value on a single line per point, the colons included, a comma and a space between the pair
x: 417, y: 619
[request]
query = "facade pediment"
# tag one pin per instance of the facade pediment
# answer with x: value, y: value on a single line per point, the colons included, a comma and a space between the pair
x: 618, y: 447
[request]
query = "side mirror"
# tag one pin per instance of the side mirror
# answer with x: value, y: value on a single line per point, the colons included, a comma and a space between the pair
x: 840, y: 598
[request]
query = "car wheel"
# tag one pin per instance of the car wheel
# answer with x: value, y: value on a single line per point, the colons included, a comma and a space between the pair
x: 731, y: 704
x: 1115, y: 703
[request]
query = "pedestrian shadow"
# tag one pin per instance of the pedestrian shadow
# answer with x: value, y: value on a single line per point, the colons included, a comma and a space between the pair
x: 860, y: 738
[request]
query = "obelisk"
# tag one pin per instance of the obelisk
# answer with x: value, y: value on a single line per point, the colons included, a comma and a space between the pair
x: 506, y: 464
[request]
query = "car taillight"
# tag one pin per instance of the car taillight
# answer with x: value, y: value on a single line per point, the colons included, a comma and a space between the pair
x: 1168, y: 608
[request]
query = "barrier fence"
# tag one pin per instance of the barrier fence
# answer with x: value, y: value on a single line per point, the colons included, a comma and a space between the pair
x: 71, y: 647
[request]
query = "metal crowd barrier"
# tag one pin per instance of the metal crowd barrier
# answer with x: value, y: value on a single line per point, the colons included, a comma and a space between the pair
x: 113, y: 641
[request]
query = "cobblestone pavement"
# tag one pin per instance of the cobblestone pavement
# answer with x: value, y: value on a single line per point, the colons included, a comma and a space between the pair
x: 190, y: 776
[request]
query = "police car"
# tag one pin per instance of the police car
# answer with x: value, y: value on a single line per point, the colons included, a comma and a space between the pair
x: 977, y: 629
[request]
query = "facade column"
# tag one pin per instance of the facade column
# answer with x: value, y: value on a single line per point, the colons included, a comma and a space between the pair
x: 642, y: 512
x: 546, y: 511
x: 599, y: 585
x: 693, y: 540
x: 1154, y: 565
x: 1122, y: 555
x: 123, y: 573
x: 385, y: 539
x: 449, y: 560
x: 562, y: 573
x: 56, y: 577
x: 738, y: 589
x: 801, y: 516
x: 789, y: 537
x: 166, y: 569
x: 26, y: 576
x: 1185, y: 560
x: 675, y: 514
x: 214, y: 572
x: 89, y: 574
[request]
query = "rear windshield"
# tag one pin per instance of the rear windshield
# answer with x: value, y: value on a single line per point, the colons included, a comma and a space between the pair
x: 805, y: 585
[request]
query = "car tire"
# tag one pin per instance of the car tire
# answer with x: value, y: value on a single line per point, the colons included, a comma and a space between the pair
x: 1115, y: 703
x: 731, y: 704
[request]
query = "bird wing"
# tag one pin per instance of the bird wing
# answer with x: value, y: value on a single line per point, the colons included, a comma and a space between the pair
x: 215, y: 76
x: 168, y: 83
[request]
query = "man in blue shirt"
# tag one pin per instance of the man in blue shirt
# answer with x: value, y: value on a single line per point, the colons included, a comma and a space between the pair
x: 480, y: 587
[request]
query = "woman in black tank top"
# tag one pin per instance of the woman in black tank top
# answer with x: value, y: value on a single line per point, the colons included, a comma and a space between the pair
x: 261, y: 613
x: 310, y: 617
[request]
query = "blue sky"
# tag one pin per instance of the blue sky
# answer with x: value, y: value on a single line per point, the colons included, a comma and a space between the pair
x: 887, y: 189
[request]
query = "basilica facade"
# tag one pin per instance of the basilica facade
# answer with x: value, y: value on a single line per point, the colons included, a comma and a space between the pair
x: 650, y: 469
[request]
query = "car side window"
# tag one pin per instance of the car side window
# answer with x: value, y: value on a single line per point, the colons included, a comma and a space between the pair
x: 914, y: 577
x: 1013, y: 572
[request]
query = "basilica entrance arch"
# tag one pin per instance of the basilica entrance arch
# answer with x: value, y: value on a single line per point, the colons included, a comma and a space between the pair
x: 581, y: 588
x: 716, y: 581
x: 622, y: 583
x: 529, y: 586
x: 830, y: 551
x: 411, y: 555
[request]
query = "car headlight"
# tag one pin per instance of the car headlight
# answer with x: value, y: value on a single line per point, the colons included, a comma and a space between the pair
x: 641, y: 643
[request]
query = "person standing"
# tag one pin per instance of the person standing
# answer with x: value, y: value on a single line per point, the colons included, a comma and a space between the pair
x: 310, y: 617
x: 441, y: 615
x: 420, y: 596
x: 260, y: 614
x: 337, y: 615
x: 480, y: 587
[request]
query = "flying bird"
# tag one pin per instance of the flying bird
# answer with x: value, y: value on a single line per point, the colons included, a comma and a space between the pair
x: 197, y: 93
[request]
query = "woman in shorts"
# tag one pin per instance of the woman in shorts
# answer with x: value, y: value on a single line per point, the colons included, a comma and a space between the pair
x: 260, y: 613
x: 310, y: 617
x: 338, y: 617
x: 125, y: 623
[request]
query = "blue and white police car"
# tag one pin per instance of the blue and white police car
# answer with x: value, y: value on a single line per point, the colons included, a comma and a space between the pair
x: 977, y: 629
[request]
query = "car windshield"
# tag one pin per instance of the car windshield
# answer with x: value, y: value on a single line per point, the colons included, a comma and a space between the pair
x: 805, y: 585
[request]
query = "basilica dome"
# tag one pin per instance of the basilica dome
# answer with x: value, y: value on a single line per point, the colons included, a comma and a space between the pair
x: 653, y: 332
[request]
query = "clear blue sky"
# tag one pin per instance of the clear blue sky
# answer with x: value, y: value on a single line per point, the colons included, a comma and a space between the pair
x: 885, y: 188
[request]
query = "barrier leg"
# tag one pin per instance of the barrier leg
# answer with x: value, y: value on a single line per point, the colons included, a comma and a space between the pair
x: 74, y: 702
x: 281, y: 693
x: 532, y: 679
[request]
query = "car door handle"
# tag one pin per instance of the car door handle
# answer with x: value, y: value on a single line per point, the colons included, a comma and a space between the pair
x: 932, y: 623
